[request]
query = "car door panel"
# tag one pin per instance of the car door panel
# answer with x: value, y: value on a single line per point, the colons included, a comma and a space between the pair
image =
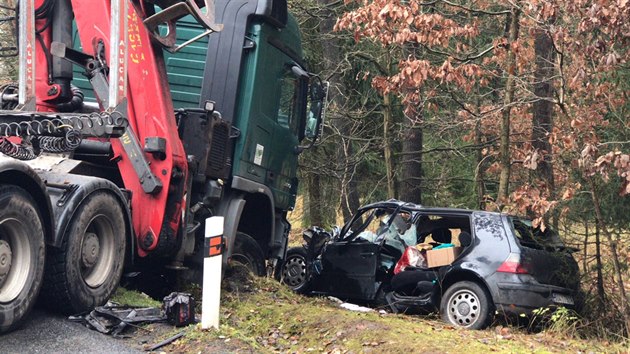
x: 349, y: 270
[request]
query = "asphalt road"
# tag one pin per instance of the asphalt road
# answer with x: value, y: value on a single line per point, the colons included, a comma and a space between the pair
x: 49, y: 333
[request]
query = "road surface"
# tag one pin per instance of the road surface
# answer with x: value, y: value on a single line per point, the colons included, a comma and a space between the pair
x: 49, y: 333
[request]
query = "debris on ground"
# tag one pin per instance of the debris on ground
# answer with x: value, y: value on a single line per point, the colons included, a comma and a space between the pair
x: 167, y: 341
x: 179, y: 309
x: 355, y: 307
x: 113, y: 319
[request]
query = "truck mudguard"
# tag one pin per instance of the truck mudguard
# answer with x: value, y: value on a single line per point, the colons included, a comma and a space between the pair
x: 20, y: 174
x: 68, y: 191
x: 233, y: 207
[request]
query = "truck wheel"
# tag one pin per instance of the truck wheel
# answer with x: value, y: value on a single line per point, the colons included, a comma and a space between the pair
x: 248, y: 253
x: 86, y: 270
x: 295, y: 270
x: 22, y: 253
x: 466, y: 304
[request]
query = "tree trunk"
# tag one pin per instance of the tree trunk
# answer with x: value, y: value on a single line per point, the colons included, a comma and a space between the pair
x: 349, y: 198
x: 480, y: 187
x: 601, y: 294
x: 613, y: 251
x: 542, y: 123
x: 504, y: 148
x: 585, y: 247
x: 411, y: 179
x: 387, y: 146
x: 315, y: 201
x: 479, y: 170
x: 349, y: 194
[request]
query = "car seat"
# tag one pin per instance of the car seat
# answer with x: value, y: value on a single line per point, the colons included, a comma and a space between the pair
x: 442, y: 235
x: 465, y: 238
x: 414, y: 282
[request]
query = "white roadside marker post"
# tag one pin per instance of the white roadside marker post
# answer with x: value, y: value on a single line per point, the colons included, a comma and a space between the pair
x: 212, y: 263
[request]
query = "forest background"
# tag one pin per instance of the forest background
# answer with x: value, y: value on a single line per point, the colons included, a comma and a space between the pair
x: 515, y: 106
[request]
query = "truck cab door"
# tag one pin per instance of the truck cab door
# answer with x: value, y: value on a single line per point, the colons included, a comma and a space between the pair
x: 283, y: 162
x: 267, y: 112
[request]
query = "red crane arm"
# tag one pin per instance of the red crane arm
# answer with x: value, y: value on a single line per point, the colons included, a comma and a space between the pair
x: 156, y: 213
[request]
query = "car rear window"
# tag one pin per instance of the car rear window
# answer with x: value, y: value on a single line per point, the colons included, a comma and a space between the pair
x: 534, y: 237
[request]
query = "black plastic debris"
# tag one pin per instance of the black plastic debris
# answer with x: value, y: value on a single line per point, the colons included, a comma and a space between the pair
x: 167, y: 341
x: 113, y: 319
x: 179, y: 309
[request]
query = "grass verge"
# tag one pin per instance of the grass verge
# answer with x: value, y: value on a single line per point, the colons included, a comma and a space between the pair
x: 260, y: 315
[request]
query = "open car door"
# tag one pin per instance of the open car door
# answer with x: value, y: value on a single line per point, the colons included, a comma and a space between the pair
x: 369, y: 245
x: 348, y: 270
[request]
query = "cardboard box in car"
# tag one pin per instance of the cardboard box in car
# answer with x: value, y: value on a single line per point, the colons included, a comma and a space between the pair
x: 443, y: 256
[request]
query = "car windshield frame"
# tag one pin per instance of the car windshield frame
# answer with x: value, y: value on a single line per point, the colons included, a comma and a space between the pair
x: 393, y: 208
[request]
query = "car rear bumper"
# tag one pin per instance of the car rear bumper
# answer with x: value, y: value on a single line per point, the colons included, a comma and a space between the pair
x: 519, y: 298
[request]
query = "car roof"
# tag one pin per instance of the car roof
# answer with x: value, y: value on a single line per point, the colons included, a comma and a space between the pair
x: 394, y: 203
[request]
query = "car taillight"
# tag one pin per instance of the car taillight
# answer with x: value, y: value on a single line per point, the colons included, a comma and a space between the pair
x: 513, y: 265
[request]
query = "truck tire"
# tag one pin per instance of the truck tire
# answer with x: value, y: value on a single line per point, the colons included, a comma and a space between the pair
x: 248, y: 253
x: 22, y: 256
x: 86, y: 270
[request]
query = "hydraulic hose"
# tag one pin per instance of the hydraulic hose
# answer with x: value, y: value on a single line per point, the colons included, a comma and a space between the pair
x: 75, y: 103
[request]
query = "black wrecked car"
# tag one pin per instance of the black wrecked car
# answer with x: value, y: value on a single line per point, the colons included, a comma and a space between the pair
x: 468, y: 264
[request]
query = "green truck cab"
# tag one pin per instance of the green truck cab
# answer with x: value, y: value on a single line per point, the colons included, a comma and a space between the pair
x: 256, y: 74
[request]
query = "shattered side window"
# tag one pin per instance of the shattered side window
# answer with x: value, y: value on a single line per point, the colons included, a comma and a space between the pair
x: 359, y: 224
x: 403, y: 229
x: 534, y: 237
x: 370, y: 228
x: 380, y: 224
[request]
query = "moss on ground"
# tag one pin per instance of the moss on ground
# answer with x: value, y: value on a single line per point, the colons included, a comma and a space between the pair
x: 134, y: 298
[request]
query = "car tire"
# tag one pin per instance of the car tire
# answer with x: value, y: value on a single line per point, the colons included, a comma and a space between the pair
x: 295, y: 272
x: 468, y: 305
x: 248, y: 253
x: 22, y: 255
x: 85, y: 271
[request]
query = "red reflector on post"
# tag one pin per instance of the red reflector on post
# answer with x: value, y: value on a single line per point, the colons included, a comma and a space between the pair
x: 214, y: 246
x: 513, y: 265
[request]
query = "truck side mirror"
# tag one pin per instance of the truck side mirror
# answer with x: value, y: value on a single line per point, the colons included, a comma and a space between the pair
x: 317, y: 101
